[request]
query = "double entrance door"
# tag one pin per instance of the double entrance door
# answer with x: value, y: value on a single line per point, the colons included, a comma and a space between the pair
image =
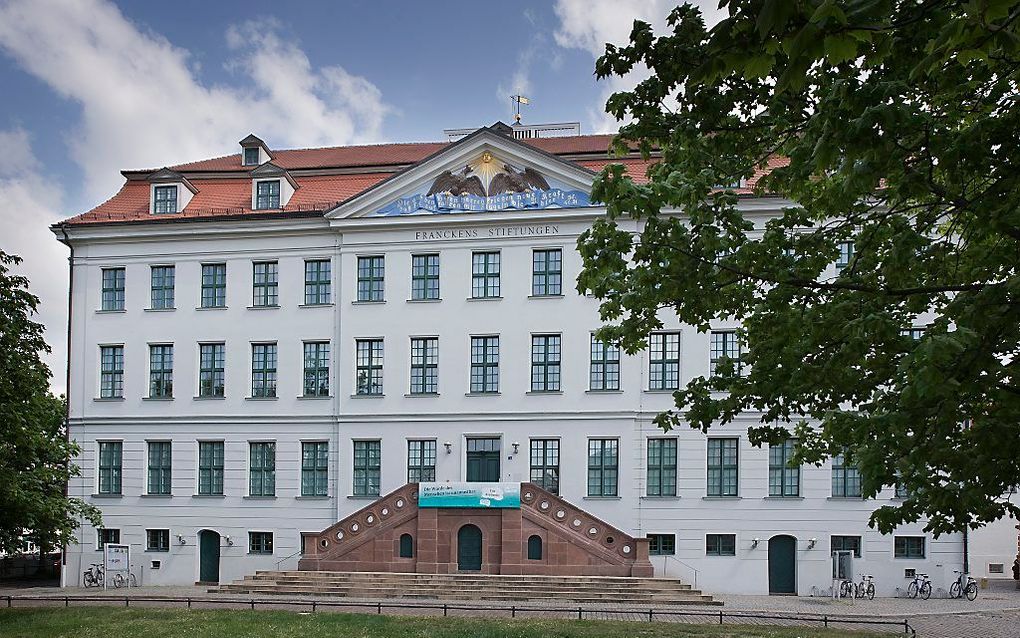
x: 483, y: 460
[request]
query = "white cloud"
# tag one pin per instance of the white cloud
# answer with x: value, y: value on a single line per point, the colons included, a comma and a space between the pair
x: 590, y: 24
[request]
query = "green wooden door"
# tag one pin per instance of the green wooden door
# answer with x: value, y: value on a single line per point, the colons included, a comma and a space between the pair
x: 782, y: 565
x: 209, y: 556
x: 483, y: 460
x: 469, y: 548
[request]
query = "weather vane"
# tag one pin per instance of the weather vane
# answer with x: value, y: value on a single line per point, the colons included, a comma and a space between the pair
x: 517, y: 101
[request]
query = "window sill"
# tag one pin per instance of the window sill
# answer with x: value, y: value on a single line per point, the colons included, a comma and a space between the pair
x: 273, y: 307
x: 107, y: 496
x: 208, y: 496
x: 110, y: 312
x: 210, y: 398
x: 544, y: 392
x: 367, y: 396
x: 312, y: 397
x: 260, y: 553
x: 858, y: 499
x: 210, y: 307
x: 603, y: 391
x: 261, y: 398
x: 485, y: 298
x: 660, y: 498
x: 313, y: 498
x: 156, y: 551
x: 156, y: 495
x: 600, y: 498
x: 367, y: 302
x: 545, y: 296
x: 259, y: 498
x: 421, y: 395
x: 721, y: 498
x: 482, y: 394
x: 436, y: 300
x: 316, y: 305
x: 651, y: 391
x: 108, y: 399
x: 782, y: 498
x: 159, y: 309
x: 363, y: 497
x: 157, y: 398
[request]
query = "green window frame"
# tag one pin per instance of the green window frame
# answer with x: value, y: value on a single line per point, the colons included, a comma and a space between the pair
x: 262, y: 469
x: 111, y: 372
x: 162, y: 287
x: 547, y: 272
x: 211, y: 371
x: 720, y: 544
x: 113, y: 289
x: 846, y: 255
x: 111, y: 456
x: 723, y: 467
x: 214, y: 285
x: 106, y: 535
x: 210, y: 468
x: 318, y: 282
x: 604, y: 371
x: 545, y: 363
x: 421, y: 460
x: 161, y: 371
x: 664, y: 361
x: 485, y: 365
x: 265, y: 284
x: 159, y: 467
x: 661, y: 468
x: 369, y: 372
x: 845, y: 544
x: 846, y: 479
x: 661, y: 544
x: 545, y: 464
x: 263, y: 370
x: 164, y: 199
x: 260, y: 542
x: 784, y: 479
x: 485, y: 275
x: 424, y: 277
x: 316, y: 368
x: 603, y: 467
x: 367, y: 467
x: 371, y: 278
x: 725, y: 345
x: 909, y: 547
x: 424, y: 365
x: 314, y: 468
x: 157, y: 540
x: 267, y: 194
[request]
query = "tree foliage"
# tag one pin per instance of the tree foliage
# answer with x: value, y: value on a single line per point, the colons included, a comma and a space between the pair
x: 35, y: 456
x: 899, y: 123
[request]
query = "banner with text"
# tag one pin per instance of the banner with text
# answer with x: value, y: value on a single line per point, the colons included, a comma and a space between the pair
x: 478, y: 495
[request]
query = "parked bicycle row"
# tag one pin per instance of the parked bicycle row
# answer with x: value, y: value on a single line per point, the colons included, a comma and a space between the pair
x: 963, y: 587
x: 95, y: 576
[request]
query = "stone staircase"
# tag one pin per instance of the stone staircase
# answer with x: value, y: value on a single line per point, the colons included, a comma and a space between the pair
x: 505, y: 588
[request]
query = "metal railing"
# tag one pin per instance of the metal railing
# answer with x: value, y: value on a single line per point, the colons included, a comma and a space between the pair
x: 649, y: 614
x: 665, y: 569
x: 285, y: 558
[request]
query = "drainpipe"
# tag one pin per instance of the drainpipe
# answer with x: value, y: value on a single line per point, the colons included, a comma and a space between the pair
x: 67, y: 374
x: 966, y: 551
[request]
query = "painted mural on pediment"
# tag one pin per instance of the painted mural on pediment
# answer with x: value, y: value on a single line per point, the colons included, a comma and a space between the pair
x: 486, y: 184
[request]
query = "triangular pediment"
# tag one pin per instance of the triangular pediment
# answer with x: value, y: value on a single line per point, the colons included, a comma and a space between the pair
x: 485, y: 172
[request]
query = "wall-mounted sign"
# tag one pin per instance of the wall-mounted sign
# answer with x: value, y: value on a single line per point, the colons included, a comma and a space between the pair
x: 528, y: 230
x: 477, y: 495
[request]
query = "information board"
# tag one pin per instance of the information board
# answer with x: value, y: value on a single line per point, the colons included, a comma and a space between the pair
x: 476, y: 495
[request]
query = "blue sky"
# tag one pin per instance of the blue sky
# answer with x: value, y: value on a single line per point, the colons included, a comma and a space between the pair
x: 92, y: 87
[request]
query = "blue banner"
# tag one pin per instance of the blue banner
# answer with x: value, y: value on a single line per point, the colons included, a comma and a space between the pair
x: 446, y: 203
x: 475, y: 495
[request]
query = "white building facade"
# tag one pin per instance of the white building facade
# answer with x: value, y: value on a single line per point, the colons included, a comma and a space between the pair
x: 239, y: 378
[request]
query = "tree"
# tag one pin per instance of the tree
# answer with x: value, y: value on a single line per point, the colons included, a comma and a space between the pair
x: 887, y: 125
x: 35, y: 455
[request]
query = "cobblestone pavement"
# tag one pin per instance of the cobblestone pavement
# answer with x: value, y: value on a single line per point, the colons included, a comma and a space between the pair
x: 995, y: 614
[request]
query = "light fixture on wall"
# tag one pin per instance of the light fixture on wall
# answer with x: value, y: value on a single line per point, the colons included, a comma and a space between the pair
x: 811, y: 543
x: 449, y: 447
x: 180, y: 539
x: 517, y: 446
x: 754, y: 542
x: 230, y: 542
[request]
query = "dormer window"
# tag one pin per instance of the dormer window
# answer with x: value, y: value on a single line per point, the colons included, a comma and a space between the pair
x: 251, y: 156
x: 267, y: 195
x: 164, y: 199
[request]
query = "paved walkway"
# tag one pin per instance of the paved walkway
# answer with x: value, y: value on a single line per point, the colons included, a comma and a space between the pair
x: 995, y: 614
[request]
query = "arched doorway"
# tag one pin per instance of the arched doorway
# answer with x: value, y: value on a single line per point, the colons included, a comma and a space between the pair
x: 208, y: 556
x: 783, y: 565
x: 469, y: 549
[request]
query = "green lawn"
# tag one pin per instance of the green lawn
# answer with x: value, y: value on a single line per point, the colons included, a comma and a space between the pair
x: 103, y: 622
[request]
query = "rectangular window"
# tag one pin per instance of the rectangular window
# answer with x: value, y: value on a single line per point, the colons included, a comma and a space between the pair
x: 315, y: 468
x: 367, y: 464
x: 545, y: 464
x: 260, y: 542
x: 265, y: 283
x: 159, y: 467
x: 263, y: 370
x: 267, y: 195
x: 104, y: 536
x: 484, y: 364
x: 370, y: 363
x: 251, y: 156
x: 262, y: 469
x: 723, y: 470
x: 845, y: 544
x: 214, y: 285
x: 846, y: 479
x: 661, y: 544
x: 484, y: 275
x: 784, y: 479
x: 111, y: 372
x: 909, y: 547
x: 901, y: 490
x: 211, y: 357
x: 318, y: 281
x: 547, y: 272
x: 113, y: 289
x: 605, y: 366
x: 371, y: 275
x: 725, y: 346
x: 162, y: 297
x: 110, y: 458
x: 157, y: 540
x: 210, y: 467
x: 421, y: 461
x: 545, y: 363
x: 664, y: 361
x: 603, y: 467
x: 721, y: 545
x: 913, y: 333
x: 661, y: 467
x: 424, y: 365
x: 316, y: 368
x: 424, y: 277
x: 846, y: 255
x: 164, y: 199
x: 161, y: 371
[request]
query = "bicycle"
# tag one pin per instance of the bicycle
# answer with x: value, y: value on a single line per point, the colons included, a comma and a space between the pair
x: 847, y: 589
x: 866, y: 588
x: 958, y: 589
x: 93, y: 576
x: 920, y: 586
x: 120, y: 580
